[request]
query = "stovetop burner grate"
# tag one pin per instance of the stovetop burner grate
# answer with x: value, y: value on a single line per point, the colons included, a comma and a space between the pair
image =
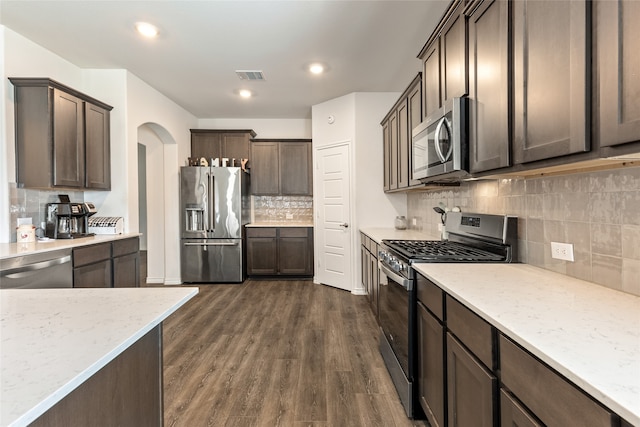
x: 427, y: 250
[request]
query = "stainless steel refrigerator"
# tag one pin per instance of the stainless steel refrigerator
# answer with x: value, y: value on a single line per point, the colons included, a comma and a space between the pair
x: 214, y: 207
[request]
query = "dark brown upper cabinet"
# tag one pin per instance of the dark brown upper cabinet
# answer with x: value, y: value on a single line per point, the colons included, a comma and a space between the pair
x: 65, y: 132
x: 281, y: 167
x: 551, y: 78
x: 221, y: 143
x: 444, y: 60
x: 397, y: 127
x: 97, y: 147
x: 618, y: 62
x: 386, y: 153
x: 489, y: 93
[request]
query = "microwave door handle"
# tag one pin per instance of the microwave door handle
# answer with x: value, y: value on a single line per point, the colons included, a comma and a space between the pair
x: 436, y: 140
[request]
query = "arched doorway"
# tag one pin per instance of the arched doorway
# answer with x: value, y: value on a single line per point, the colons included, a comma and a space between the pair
x: 152, y: 140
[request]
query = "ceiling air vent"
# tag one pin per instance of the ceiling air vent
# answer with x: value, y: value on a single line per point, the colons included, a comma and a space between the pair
x: 250, y: 74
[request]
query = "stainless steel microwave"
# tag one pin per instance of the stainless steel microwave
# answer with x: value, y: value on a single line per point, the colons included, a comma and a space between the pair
x: 439, y: 145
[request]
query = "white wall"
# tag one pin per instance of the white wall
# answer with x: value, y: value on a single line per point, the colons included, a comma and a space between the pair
x: 374, y: 207
x: 135, y: 104
x: 264, y: 128
x: 356, y: 120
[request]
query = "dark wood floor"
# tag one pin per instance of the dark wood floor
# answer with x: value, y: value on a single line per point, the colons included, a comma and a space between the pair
x: 276, y: 353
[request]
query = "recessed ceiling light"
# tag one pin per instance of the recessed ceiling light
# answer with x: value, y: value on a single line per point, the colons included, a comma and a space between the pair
x: 245, y: 93
x: 146, y: 29
x: 316, y: 68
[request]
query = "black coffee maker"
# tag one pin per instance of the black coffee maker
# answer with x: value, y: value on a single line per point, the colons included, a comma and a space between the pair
x: 66, y: 220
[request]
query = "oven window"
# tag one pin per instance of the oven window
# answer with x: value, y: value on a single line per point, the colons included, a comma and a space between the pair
x: 394, y: 320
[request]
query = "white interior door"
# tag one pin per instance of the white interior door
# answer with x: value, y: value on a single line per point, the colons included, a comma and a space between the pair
x: 333, y: 215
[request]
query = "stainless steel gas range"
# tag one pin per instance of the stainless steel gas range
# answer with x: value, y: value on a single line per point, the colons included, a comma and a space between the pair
x: 472, y: 238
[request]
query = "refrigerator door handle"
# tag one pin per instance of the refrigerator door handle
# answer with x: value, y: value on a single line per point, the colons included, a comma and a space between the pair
x: 211, y: 203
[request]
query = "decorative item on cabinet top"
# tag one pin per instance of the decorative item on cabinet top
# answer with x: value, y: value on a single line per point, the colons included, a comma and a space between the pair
x: 218, y: 162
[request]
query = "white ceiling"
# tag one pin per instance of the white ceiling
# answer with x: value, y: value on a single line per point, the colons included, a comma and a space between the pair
x: 369, y: 46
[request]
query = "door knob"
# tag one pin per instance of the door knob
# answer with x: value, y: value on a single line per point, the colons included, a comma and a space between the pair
x: 345, y: 225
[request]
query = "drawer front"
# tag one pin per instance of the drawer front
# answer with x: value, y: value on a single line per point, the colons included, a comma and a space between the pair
x: 126, y: 246
x: 261, y: 232
x: 431, y: 296
x: 294, y: 232
x: 373, y: 248
x: 472, y: 330
x: 553, y: 399
x: 513, y: 414
x: 90, y: 254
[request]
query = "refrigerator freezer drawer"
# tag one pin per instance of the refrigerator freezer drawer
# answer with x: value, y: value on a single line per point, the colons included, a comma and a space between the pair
x: 212, y: 261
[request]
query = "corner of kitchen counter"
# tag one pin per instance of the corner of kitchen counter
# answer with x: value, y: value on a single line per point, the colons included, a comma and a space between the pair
x: 381, y: 233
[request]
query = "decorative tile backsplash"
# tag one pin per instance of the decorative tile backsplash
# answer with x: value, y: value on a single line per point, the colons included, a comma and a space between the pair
x: 276, y: 208
x: 27, y: 203
x: 598, y: 212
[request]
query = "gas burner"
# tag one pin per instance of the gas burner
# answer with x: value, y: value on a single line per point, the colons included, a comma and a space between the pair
x: 440, y: 251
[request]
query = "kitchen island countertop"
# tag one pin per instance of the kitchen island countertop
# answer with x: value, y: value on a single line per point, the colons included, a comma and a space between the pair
x: 587, y: 332
x: 54, y: 340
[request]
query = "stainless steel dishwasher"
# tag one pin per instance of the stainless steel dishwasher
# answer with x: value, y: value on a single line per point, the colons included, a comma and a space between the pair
x: 36, y: 271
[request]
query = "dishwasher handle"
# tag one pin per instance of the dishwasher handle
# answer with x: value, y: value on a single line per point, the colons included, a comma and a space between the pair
x: 21, y: 271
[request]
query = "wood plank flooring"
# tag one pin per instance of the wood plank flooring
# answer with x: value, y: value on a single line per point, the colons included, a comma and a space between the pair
x: 276, y: 353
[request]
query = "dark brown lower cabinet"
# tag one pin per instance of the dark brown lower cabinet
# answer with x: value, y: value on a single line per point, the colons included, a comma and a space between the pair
x: 96, y: 275
x: 262, y: 252
x: 549, y: 396
x: 471, y: 389
x: 92, y: 266
x: 431, y: 367
x: 294, y: 251
x: 126, y: 263
x: 374, y: 278
x: 369, y: 270
x: 512, y: 414
x: 279, y: 251
x: 126, y: 271
x: 125, y: 392
x: 106, y: 265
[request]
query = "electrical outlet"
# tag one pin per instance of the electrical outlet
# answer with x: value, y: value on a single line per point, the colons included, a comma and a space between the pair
x: 288, y: 215
x: 414, y: 221
x: 562, y: 251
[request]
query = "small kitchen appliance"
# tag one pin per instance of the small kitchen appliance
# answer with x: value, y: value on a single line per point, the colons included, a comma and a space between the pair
x: 214, y: 209
x: 67, y: 220
x: 472, y: 238
x: 106, y: 225
x: 440, y: 146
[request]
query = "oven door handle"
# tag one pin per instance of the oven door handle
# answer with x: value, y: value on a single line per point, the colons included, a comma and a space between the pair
x: 402, y: 281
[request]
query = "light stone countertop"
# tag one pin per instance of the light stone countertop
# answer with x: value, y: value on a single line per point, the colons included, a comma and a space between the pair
x: 378, y: 234
x: 10, y: 250
x: 588, y: 333
x: 53, y: 340
x: 281, y: 224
